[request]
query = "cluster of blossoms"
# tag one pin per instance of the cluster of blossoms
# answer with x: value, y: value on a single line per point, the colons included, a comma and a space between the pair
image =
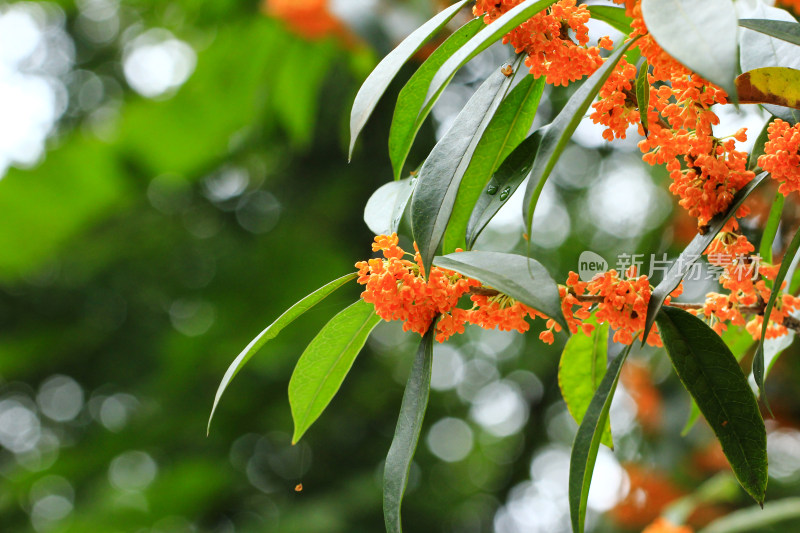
x: 781, y: 158
x: 399, y: 291
x: 706, y: 170
x: 395, y: 285
x: 555, y: 40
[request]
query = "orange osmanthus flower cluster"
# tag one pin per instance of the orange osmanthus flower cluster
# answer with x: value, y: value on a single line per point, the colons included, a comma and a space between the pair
x: 398, y: 290
x: 555, y: 40
x: 781, y: 158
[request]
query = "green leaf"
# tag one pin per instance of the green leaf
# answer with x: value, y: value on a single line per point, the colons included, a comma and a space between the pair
x: 504, y: 183
x: 758, y: 147
x: 558, y: 133
x: 272, y: 331
x: 756, y: 519
x: 408, y: 112
x: 506, y: 131
x: 587, y: 442
x: 383, y: 74
x: 783, y: 30
x: 701, y: 35
x: 758, y: 360
x: 385, y: 207
x: 613, y: 16
x: 520, y: 277
x: 692, y: 253
x: 643, y: 93
x: 738, y: 341
x: 771, y: 228
x: 406, y: 434
x: 441, y: 174
x: 757, y: 50
x: 325, y: 363
x: 711, y: 374
x: 580, y: 371
x: 485, y: 38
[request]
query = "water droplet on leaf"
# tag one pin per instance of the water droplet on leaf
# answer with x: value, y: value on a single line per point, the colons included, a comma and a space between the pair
x: 505, y: 193
x: 492, y: 189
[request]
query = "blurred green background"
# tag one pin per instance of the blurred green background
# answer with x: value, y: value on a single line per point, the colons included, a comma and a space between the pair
x: 175, y: 176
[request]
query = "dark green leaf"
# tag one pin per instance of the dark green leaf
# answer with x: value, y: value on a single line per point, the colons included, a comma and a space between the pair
x: 756, y: 519
x: 738, y: 341
x: 408, y: 112
x: 758, y: 50
x: 272, y: 331
x: 643, y: 94
x: 701, y: 35
x: 580, y: 371
x: 558, y: 133
x: 485, y: 38
x: 406, y: 434
x: 758, y: 148
x: 325, y: 363
x: 692, y: 253
x: 386, y: 206
x: 504, y: 183
x: 758, y: 360
x: 520, y: 277
x: 507, y: 129
x: 613, y: 16
x: 587, y: 442
x: 383, y: 74
x: 783, y: 30
x: 441, y: 174
x: 771, y: 228
x: 711, y: 374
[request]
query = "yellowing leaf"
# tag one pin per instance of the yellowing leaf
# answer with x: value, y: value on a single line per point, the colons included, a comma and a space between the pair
x: 770, y: 85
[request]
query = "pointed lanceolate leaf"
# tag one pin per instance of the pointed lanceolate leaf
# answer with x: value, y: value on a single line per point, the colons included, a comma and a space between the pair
x: 272, y: 331
x: 408, y: 112
x: 757, y: 50
x: 613, y: 16
x: 753, y: 519
x: 770, y: 85
x: 643, y: 94
x: 520, y: 277
x: 406, y: 434
x: 693, y: 251
x: 325, y: 363
x: 771, y: 228
x: 711, y: 374
x: 504, y: 183
x: 440, y: 175
x: 780, y: 29
x: 485, y: 38
x: 580, y: 372
x: 383, y: 74
x: 700, y: 35
x: 385, y: 207
x: 758, y: 360
x: 506, y: 131
x: 558, y: 133
x: 758, y: 147
x: 587, y: 442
